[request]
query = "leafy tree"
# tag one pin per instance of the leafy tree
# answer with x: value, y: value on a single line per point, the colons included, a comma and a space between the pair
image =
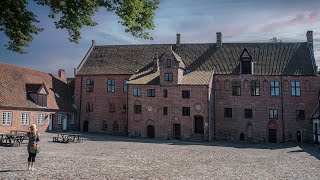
x: 19, y: 24
x: 275, y: 40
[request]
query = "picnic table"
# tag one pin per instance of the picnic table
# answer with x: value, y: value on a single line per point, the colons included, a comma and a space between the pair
x: 12, y: 139
x: 67, y: 137
x: 18, y: 132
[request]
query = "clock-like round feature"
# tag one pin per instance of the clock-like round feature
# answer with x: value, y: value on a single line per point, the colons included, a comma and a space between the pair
x: 198, y: 107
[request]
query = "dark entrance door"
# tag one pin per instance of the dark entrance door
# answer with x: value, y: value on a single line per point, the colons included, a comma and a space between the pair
x: 150, y: 131
x: 272, y: 135
x: 241, y: 137
x: 176, y: 131
x: 85, y: 126
x: 298, y: 136
x: 198, y: 124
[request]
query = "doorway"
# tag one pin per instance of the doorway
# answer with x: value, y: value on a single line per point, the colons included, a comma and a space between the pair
x: 241, y: 137
x: 150, y: 131
x: 272, y: 135
x: 50, y: 122
x: 64, y: 122
x: 85, y: 126
x: 198, y: 125
x: 176, y: 131
x: 299, y: 136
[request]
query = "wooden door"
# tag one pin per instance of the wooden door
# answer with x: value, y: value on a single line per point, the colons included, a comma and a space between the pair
x: 272, y: 135
x: 198, y: 124
x: 150, y: 131
x: 176, y: 131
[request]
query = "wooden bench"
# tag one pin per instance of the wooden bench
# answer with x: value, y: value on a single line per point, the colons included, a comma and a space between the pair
x: 61, y: 139
x: 12, y: 142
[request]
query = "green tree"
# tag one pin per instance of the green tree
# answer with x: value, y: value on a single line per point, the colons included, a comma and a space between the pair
x: 19, y: 24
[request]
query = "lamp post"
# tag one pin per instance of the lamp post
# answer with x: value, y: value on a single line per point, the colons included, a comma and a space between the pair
x: 316, y: 124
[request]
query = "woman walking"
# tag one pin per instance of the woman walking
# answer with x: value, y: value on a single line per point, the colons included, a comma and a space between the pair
x: 33, y: 147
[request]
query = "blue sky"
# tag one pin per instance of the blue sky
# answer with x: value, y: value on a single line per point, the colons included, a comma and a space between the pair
x: 196, y: 21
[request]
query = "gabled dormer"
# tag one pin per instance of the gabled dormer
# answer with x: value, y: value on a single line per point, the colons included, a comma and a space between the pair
x: 246, y: 62
x: 171, y: 67
x: 38, y: 93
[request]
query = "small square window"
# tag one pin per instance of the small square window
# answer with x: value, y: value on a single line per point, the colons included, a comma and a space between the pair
x: 185, y: 111
x: 137, y: 109
x: 273, y: 114
x: 185, y: 94
x: 165, y: 93
x: 165, y: 110
x: 248, y: 113
x: 168, y: 76
x: 168, y: 62
x: 227, y: 112
x: 137, y: 92
x: 151, y: 92
x: 300, y: 115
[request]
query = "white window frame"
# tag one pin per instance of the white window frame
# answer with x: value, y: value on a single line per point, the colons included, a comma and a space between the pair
x: 59, y: 119
x: 25, y: 118
x: 40, y: 118
x: 72, y: 119
x: 6, y: 118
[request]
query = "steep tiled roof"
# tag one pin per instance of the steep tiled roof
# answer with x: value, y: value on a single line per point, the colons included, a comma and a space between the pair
x: 269, y: 58
x: 149, y: 77
x: 16, y: 81
x: 196, y: 78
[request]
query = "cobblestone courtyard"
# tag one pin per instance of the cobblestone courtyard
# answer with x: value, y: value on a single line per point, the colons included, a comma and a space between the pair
x: 105, y: 157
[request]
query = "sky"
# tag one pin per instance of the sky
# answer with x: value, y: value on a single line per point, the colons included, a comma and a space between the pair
x: 196, y: 21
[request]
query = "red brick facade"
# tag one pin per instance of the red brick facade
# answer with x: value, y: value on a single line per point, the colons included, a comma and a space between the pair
x: 108, y: 111
x: 257, y: 128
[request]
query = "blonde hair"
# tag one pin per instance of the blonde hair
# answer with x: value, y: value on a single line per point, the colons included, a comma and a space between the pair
x: 34, y: 127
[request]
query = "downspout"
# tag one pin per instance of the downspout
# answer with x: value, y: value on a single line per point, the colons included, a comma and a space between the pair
x: 282, y: 109
x: 214, y: 109
x: 127, y: 109
x: 209, y: 116
x: 80, y: 104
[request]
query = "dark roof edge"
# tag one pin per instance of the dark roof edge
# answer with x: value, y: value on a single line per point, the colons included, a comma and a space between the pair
x: 212, y: 43
x: 313, y: 60
x: 85, y: 57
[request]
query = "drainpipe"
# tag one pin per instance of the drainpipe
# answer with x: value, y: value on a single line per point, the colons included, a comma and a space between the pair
x: 127, y: 109
x: 80, y: 105
x: 282, y: 109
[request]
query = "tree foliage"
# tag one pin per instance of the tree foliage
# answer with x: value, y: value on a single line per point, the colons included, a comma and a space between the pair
x: 275, y: 40
x: 19, y: 24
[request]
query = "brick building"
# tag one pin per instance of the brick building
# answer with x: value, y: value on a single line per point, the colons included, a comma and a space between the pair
x: 234, y: 91
x: 32, y: 97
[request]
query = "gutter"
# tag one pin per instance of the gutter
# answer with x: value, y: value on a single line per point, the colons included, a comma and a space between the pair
x: 80, y: 104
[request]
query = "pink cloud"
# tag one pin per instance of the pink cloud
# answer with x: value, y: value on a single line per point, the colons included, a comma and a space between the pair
x: 314, y: 16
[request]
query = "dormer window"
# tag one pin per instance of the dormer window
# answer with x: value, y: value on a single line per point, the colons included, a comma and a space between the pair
x: 168, y: 62
x: 246, y: 62
x: 246, y: 67
x: 38, y: 94
x: 90, y: 85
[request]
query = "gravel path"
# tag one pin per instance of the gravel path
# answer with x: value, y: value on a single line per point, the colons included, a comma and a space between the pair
x: 105, y: 157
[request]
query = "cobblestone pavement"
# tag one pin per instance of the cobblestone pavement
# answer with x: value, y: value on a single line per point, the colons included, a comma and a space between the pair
x: 106, y: 157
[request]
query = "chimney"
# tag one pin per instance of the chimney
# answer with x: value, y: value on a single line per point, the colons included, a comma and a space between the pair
x: 62, y: 74
x: 178, y: 40
x: 219, y: 39
x: 93, y: 43
x: 310, y: 38
x: 156, y: 62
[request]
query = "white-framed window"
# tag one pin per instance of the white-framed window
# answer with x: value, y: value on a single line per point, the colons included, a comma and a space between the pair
x: 6, y: 118
x: 25, y: 118
x: 41, y: 118
x: 72, y: 119
x: 137, y: 92
x: 59, y: 118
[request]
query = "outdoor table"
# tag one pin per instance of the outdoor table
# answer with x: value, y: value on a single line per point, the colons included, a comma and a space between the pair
x: 72, y: 137
x: 13, y: 139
